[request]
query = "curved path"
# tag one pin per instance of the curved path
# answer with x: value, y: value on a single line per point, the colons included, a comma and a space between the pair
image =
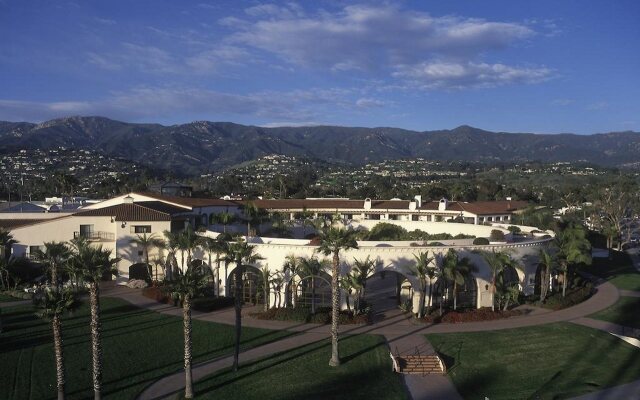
x: 401, y: 332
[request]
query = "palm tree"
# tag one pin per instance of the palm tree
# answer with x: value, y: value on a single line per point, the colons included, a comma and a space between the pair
x: 332, y: 240
x: 266, y: 279
x: 217, y: 247
x: 224, y: 218
x: 456, y: 270
x: 573, y: 248
x: 187, y: 286
x: 6, y: 241
x: 187, y: 241
x: 52, y: 305
x: 94, y: 262
x: 497, y: 261
x: 312, y: 268
x: 362, y: 269
x: 421, y: 270
x: 547, y: 264
x: 171, y: 244
x: 55, y: 255
x: 277, y: 281
x: 348, y: 283
x: 253, y: 215
x: 6, y: 265
x: 291, y: 268
x: 146, y: 242
x: 242, y: 254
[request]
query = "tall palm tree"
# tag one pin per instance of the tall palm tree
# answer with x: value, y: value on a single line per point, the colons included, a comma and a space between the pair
x: 94, y: 263
x: 242, y: 255
x: 187, y: 241
x: 422, y: 268
x: 363, y: 269
x: 311, y: 267
x: 253, y: 215
x: 332, y: 240
x: 147, y: 243
x: 55, y: 255
x: 455, y: 271
x: 51, y: 306
x: 573, y: 248
x: 224, y: 218
x: 277, y: 282
x: 187, y: 286
x: 266, y: 281
x: 217, y: 247
x: 547, y: 264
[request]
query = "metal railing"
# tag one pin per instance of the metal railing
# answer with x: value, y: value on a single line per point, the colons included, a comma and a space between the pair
x: 95, y: 235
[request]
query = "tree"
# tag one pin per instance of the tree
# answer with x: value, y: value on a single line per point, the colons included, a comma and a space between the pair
x: 421, y: 270
x: 312, y: 268
x: 456, y: 270
x: 362, y: 270
x: 277, y: 281
x: 224, y: 218
x: 348, y: 283
x: 218, y: 247
x: 305, y: 217
x: 187, y: 241
x: 242, y: 254
x: 253, y: 215
x: 497, y: 262
x: 573, y: 248
x: 266, y: 278
x: 187, y: 286
x: 612, y: 206
x: 547, y: 264
x: 94, y: 263
x: 54, y: 256
x: 147, y: 242
x: 6, y: 241
x: 171, y: 244
x: 51, y: 306
x: 332, y: 240
x: 292, y: 268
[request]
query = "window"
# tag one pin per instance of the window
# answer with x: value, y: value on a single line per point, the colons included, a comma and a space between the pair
x: 141, y: 229
x: 34, y: 249
x: 86, y: 230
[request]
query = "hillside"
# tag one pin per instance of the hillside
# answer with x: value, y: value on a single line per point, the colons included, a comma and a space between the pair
x: 202, y: 146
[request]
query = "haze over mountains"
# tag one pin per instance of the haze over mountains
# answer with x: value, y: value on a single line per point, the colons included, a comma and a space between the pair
x: 202, y: 146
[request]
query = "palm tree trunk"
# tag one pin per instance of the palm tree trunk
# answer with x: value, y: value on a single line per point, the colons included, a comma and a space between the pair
x: 54, y: 276
x: 57, y: 345
x: 313, y: 295
x: 348, y: 305
x: 96, y: 346
x: 335, y: 312
x: 564, y: 282
x: 493, y: 292
x: 430, y: 294
x: 238, y: 307
x: 455, y: 295
x: 186, y: 316
x: 421, y: 304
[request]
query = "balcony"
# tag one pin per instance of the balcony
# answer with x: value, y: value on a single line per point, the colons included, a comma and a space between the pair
x: 95, y: 236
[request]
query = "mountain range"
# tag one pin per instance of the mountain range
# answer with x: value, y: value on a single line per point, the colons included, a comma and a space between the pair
x: 204, y: 147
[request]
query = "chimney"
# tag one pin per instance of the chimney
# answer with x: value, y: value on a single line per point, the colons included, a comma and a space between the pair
x: 442, y: 206
x: 128, y: 199
x: 367, y: 204
x: 418, y: 200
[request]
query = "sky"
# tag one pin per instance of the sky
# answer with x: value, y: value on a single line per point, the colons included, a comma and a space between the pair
x: 544, y: 66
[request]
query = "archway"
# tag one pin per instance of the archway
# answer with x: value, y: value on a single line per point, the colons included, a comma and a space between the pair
x: 252, y: 282
x: 386, y: 290
x: 467, y: 293
x: 313, y: 292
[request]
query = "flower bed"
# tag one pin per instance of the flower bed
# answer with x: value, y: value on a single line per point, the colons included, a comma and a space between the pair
x: 469, y: 315
x: 303, y: 314
x: 202, y: 304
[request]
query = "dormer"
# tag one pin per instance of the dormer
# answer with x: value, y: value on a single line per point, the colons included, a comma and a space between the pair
x: 442, y: 206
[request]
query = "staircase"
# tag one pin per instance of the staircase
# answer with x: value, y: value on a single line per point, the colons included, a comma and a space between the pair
x: 418, y: 364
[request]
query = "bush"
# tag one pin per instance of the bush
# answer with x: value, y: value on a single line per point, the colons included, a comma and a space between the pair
x: 157, y: 294
x: 137, y: 284
x: 573, y: 297
x: 481, y: 241
x: 496, y: 236
x: 18, y: 294
x: 208, y: 304
x: 514, y: 229
x: 139, y: 271
x: 468, y: 315
x: 435, y: 244
x: 303, y: 314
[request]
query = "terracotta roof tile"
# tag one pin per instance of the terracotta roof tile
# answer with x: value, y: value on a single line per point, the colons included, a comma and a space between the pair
x: 127, y: 212
x: 20, y: 222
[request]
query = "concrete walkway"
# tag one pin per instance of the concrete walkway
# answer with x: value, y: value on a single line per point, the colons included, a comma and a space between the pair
x: 400, y: 330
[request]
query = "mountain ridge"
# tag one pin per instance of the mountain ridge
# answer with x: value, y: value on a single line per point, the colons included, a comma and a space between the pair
x: 204, y: 146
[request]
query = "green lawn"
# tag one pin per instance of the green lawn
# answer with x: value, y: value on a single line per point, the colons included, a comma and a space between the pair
x: 139, y: 347
x: 619, y: 271
x: 544, y: 362
x: 304, y: 373
x: 6, y: 298
x: 624, y: 312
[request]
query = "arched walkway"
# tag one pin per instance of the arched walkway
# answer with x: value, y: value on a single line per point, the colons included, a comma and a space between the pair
x: 252, y: 282
x: 312, y: 291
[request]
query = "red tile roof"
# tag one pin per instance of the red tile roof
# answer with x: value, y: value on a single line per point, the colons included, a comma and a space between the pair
x: 20, y: 222
x: 127, y: 212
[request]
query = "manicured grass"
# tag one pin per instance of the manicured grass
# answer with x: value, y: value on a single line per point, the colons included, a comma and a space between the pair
x: 304, y: 373
x: 624, y: 312
x: 544, y: 362
x: 619, y: 271
x: 139, y: 347
x: 6, y: 297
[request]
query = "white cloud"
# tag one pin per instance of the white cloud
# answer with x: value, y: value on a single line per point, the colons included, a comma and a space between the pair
x: 369, y: 103
x: 451, y: 75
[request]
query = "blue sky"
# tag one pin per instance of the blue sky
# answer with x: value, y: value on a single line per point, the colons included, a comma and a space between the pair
x: 536, y: 66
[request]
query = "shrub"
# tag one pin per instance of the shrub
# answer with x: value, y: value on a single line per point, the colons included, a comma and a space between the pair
x: 137, y: 284
x: 573, y: 297
x: 469, y: 315
x: 208, y: 304
x: 496, y: 235
x: 480, y: 241
x: 139, y: 271
x: 514, y: 229
x: 435, y: 244
x: 157, y: 294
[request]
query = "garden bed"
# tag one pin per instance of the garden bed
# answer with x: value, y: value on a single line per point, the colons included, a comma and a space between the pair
x: 468, y: 315
x: 303, y: 314
x: 202, y: 304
